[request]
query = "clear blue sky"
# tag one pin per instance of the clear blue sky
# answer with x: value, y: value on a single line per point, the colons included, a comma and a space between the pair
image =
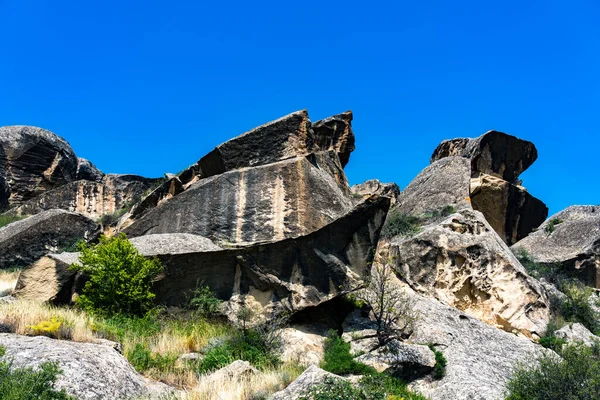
x: 149, y: 87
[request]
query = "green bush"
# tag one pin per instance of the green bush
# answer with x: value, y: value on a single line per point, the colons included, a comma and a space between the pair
x: 338, y: 360
x: 552, y: 225
x: 142, y: 359
x: 400, y: 224
x: 439, y: 213
x: 250, y: 345
x: 204, y: 301
x: 9, y: 218
x: 120, y: 278
x: 29, y: 384
x: 439, y: 370
x: 575, y: 376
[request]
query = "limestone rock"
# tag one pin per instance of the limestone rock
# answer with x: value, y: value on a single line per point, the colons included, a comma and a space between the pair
x: 309, y: 378
x: 444, y: 183
x: 373, y: 186
x: 493, y: 153
x: 92, y: 199
x: 335, y: 133
x: 462, y: 262
x: 570, y: 238
x: 577, y: 333
x: 238, y: 369
x: 302, y: 345
x: 86, y: 171
x: 32, y: 161
x: 25, y: 241
x: 267, y: 203
x: 89, y: 371
x: 480, y: 358
x: 510, y: 209
x: 167, y: 190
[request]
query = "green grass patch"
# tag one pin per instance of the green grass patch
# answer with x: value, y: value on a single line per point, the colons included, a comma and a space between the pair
x: 439, y: 370
x: 552, y: 225
x: 338, y: 360
x: 9, y: 218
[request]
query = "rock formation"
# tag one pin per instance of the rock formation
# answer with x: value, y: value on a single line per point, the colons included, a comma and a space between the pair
x: 23, y: 242
x: 89, y: 371
x: 373, y: 186
x: 496, y: 161
x: 570, y: 238
x: 32, y: 161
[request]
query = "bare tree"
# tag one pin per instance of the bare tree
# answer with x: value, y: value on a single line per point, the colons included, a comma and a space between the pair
x: 390, y: 305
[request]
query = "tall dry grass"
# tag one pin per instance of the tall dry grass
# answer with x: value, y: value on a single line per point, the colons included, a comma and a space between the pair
x: 8, y: 280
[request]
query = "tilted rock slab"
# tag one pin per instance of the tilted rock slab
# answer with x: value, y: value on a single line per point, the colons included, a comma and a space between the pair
x: 463, y: 262
x: 32, y: 161
x: 373, y: 186
x: 89, y: 371
x: 92, y: 199
x: 272, y: 202
x: 574, y: 243
x: 497, y: 159
x: 23, y: 242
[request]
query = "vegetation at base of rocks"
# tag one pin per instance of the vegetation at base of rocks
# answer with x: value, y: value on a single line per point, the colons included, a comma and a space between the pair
x: 119, y: 278
x: 338, y: 360
x: 439, y: 370
x: 575, y: 306
x: 391, y: 307
x: 8, y: 280
x: 29, y: 383
x: 552, y: 225
x: 574, y: 375
x: 371, y: 387
x: 203, y: 300
x: 9, y: 218
x: 73, y: 247
x: 107, y: 220
x: 54, y: 328
x: 402, y: 224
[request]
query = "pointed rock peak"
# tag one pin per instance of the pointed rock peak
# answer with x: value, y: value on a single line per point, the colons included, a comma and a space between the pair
x: 335, y: 133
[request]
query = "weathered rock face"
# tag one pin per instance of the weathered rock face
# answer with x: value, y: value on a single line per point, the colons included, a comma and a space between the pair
x: 570, y: 238
x: 493, y: 153
x: 300, y: 387
x: 32, y: 161
x: 288, y: 275
x: 443, y: 183
x: 302, y: 345
x: 86, y: 171
x: 510, y: 209
x: 577, y: 333
x: 92, y: 199
x: 462, y: 262
x: 373, y: 186
x: 24, y: 242
x: 480, y: 357
x: 267, y: 203
x: 89, y: 371
x: 335, y: 133
x: 496, y: 161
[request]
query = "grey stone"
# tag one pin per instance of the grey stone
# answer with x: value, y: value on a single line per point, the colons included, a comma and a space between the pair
x: 577, y: 333
x: 309, y: 378
x: 573, y: 243
x: 302, y: 345
x: 236, y: 370
x: 335, y: 133
x: 373, y: 186
x: 25, y: 241
x: 32, y: 161
x: 89, y: 371
x: 173, y: 243
x: 86, y: 171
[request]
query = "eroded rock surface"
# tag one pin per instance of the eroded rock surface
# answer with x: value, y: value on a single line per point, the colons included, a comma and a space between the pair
x: 577, y: 333
x: 32, y: 161
x: 570, y: 238
x: 309, y: 378
x: 89, y: 371
x: 86, y: 171
x: 373, y: 186
x: 462, y: 262
x: 23, y: 242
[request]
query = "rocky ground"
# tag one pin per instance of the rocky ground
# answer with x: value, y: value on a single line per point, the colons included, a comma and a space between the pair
x: 470, y: 261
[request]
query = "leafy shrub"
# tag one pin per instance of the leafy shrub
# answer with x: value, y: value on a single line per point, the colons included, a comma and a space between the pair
x: 143, y: 359
x: 54, y: 328
x: 439, y: 370
x: 250, y: 345
x: 338, y: 360
x: 335, y: 389
x: 575, y: 376
x: 400, y: 224
x: 9, y: 218
x: 439, y: 213
x: 552, y: 343
x: 552, y: 225
x: 120, y: 278
x: 29, y: 384
x: 204, y: 301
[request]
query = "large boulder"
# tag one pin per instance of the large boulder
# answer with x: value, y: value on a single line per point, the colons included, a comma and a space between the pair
x: 496, y: 161
x: 88, y: 371
x: 577, y: 333
x: 463, y: 262
x: 302, y: 385
x: 493, y: 153
x: 480, y: 358
x: 32, y: 161
x: 23, y: 242
x: 271, y: 202
x: 571, y: 239
x: 509, y: 208
x: 91, y: 198
x: 373, y: 186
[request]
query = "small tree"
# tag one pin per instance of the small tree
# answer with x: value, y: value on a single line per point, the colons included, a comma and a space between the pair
x: 120, y: 278
x: 391, y: 307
